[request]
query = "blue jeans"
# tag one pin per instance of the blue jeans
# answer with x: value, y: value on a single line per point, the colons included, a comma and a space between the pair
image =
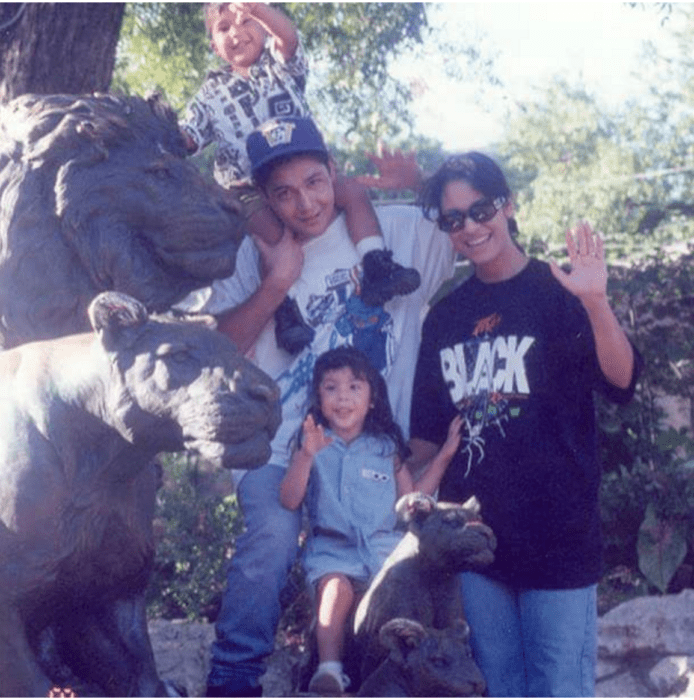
x: 532, y: 643
x: 257, y: 574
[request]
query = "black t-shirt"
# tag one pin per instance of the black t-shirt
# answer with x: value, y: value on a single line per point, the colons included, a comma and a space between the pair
x: 517, y: 360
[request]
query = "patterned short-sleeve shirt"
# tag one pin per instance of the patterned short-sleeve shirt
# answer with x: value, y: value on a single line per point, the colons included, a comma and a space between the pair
x: 228, y: 107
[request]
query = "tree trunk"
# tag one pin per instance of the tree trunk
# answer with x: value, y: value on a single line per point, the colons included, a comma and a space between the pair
x: 57, y: 47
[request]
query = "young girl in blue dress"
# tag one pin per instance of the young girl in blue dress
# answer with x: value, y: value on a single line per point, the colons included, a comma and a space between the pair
x: 349, y: 470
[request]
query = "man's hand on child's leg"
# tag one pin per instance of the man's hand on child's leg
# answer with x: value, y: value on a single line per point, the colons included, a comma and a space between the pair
x: 264, y: 224
x: 349, y: 191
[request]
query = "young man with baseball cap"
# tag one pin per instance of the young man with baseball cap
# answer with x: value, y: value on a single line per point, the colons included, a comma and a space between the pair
x: 316, y: 264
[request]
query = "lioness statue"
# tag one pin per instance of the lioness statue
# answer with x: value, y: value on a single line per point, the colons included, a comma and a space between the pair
x: 418, y: 587
x: 424, y: 662
x: 420, y: 579
x: 81, y: 418
x: 96, y: 195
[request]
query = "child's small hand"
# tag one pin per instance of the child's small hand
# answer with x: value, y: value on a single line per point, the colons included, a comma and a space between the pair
x: 450, y: 447
x: 241, y: 10
x: 314, y: 437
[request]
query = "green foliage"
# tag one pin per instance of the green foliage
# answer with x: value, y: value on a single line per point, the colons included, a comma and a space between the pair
x: 619, y: 585
x: 163, y: 47
x: 351, y: 46
x: 647, y: 516
x: 571, y: 159
x: 648, y: 490
x: 657, y: 292
x: 662, y: 546
x: 195, y: 531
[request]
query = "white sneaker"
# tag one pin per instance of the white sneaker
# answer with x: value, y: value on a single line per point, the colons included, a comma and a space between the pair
x: 328, y: 683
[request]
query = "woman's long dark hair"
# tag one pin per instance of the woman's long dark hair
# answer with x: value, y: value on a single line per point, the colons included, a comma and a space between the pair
x: 379, y: 420
x: 478, y: 170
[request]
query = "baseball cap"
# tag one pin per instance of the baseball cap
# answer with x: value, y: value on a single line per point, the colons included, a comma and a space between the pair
x: 283, y: 137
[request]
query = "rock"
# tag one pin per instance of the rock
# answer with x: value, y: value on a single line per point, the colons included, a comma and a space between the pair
x: 622, y: 686
x: 182, y: 653
x: 660, y: 625
x: 672, y: 676
x: 606, y: 668
x: 630, y: 664
x: 277, y: 681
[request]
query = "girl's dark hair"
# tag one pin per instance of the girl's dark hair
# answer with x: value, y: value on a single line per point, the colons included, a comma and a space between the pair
x: 379, y: 419
x: 478, y: 170
x: 262, y: 175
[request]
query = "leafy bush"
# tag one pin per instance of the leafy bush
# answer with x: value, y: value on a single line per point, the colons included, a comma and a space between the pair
x: 195, y: 529
x: 647, y: 491
x: 648, y: 518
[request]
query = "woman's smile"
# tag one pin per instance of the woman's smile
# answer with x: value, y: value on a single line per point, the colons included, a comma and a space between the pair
x: 488, y: 245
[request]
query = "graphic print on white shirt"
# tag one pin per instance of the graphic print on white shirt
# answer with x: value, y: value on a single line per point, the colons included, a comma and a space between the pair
x: 349, y: 321
x: 336, y: 312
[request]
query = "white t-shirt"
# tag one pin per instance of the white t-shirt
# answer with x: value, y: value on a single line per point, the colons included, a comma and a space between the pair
x: 326, y: 293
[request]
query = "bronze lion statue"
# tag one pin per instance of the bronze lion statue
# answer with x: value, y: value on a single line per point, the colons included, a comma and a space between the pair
x: 96, y: 195
x: 81, y: 419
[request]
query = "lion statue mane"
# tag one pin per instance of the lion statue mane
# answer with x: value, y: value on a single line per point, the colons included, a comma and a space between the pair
x: 96, y: 195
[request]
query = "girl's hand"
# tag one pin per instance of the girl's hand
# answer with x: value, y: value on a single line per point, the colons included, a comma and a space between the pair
x: 588, y: 277
x: 430, y: 477
x: 450, y: 446
x: 314, y: 438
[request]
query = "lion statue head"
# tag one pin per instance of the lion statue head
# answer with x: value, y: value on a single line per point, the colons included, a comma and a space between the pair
x: 96, y: 195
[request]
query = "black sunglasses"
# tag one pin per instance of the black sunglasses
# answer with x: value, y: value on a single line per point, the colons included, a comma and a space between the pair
x: 479, y: 212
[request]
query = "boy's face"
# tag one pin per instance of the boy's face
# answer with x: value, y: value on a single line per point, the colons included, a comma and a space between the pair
x: 302, y: 195
x: 236, y: 38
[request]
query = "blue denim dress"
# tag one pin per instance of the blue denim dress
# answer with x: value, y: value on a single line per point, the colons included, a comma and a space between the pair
x: 351, y: 506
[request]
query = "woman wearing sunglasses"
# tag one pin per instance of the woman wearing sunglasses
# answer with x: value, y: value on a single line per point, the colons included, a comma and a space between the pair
x: 517, y: 351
